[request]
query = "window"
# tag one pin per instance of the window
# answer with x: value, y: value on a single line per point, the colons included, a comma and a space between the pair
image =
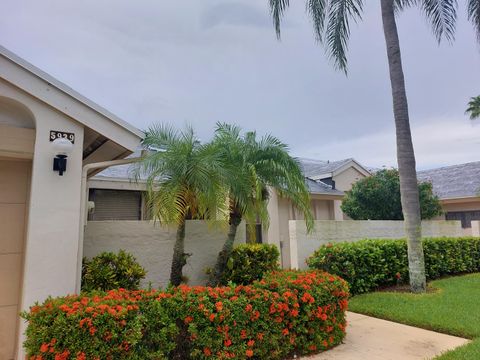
x: 115, y: 205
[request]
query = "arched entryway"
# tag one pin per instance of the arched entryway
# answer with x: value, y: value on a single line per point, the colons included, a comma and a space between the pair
x: 17, y: 137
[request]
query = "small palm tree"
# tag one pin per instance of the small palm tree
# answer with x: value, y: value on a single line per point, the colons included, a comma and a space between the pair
x: 184, y: 181
x: 253, y: 166
x: 474, y: 108
x: 331, y: 20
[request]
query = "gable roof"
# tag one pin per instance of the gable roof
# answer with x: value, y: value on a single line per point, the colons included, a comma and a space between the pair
x: 320, y: 188
x: 123, y: 173
x: 56, y: 94
x: 321, y: 169
x: 456, y: 181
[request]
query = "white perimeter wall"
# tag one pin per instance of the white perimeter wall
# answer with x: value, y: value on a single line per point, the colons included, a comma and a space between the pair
x: 152, y: 245
x: 302, y: 245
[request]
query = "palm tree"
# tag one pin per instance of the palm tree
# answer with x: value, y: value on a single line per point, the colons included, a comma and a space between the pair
x: 184, y: 181
x: 474, y: 108
x: 255, y: 166
x: 331, y: 19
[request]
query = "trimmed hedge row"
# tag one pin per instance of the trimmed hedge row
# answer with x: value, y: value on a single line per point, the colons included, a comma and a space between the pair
x: 369, y: 264
x: 249, y: 262
x: 284, y: 314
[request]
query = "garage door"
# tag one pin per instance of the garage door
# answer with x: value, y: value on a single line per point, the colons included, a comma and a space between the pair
x: 14, y: 184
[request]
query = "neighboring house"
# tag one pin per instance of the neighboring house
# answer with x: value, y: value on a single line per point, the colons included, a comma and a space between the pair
x: 458, y: 187
x: 327, y: 182
x: 41, y: 229
x: 340, y: 174
x: 117, y: 197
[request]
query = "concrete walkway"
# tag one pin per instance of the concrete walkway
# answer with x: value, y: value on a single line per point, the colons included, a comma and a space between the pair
x: 374, y: 339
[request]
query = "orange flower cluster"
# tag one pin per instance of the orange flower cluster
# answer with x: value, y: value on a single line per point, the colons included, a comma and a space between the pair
x: 288, y: 312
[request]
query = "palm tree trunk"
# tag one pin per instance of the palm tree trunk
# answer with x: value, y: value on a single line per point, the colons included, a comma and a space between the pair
x: 179, y: 257
x: 405, y: 153
x: 224, y: 254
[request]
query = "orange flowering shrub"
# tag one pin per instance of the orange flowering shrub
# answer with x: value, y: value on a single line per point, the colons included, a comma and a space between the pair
x: 119, y: 324
x: 286, y: 313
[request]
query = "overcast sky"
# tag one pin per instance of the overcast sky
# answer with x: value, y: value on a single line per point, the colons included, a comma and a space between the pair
x: 199, y: 62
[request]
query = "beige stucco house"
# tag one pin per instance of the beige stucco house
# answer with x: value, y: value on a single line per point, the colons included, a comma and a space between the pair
x: 458, y: 187
x: 41, y: 228
x: 327, y: 182
x: 116, y: 197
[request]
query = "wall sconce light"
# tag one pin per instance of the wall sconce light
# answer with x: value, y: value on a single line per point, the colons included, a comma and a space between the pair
x: 62, y: 148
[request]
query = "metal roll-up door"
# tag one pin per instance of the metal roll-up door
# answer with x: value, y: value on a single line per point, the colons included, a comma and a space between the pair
x: 116, y: 205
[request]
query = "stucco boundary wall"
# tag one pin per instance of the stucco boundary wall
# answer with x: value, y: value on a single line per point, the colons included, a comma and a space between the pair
x: 152, y: 245
x: 302, y: 245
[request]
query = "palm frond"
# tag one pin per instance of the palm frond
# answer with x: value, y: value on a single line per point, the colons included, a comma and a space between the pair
x: 474, y: 108
x: 400, y: 5
x: 317, y: 11
x: 254, y: 165
x: 184, y: 177
x: 340, y: 13
x: 442, y: 15
x: 473, y: 9
x: 277, y: 9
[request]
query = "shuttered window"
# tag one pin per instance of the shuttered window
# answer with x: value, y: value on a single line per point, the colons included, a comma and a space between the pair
x: 115, y: 205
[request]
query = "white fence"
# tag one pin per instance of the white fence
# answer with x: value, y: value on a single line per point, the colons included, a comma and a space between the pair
x: 153, y: 246
x: 302, y: 245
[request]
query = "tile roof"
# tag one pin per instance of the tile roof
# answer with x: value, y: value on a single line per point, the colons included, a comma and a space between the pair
x: 124, y: 172
x: 120, y: 172
x: 319, y: 187
x: 456, y: 181
x: 311, y: 167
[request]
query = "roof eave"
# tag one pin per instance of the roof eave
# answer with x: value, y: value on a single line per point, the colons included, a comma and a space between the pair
x: 48, y: 89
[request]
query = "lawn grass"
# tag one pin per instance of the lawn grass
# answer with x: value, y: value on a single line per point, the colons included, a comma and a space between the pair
x: 453, y: 309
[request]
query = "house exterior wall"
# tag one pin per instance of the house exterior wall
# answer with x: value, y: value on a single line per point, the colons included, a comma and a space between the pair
x: 152, y: 245
x: 51, y: 244
x: 350, y: 230
x: 461, y: 206
x: 345, y: 179
x: 281, y: 211
x: 469, y: 206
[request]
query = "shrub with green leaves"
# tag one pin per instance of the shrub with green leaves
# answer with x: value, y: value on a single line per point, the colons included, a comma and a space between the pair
x: 120, y: 324
x: 249, y: 262
x: 108, y: 271
x: 369, y: 264
x: 287, y: 313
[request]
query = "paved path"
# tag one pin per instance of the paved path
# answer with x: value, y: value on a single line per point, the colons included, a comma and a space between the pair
x: 374, y: 339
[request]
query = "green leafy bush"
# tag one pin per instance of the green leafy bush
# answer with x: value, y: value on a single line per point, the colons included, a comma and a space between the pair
x: 285, y: 314
x: 120, y: 324
x: 249, y: 262
x: 369, y: 264
x: 377, y: 197
x: 108, y: 271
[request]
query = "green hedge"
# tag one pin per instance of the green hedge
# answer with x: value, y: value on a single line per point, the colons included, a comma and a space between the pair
x: 249, y: 262
x: 369, y: 264
x: 109, y: 270
x: 285, y: 314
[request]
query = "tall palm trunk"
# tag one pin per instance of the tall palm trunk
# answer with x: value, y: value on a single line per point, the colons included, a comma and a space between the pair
x: 224, y: 254
x: 405, y: 153
x: 179, y: 257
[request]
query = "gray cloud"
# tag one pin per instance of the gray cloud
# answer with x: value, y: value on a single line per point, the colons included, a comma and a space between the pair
x: 234, y: 13
x: 216, y: 60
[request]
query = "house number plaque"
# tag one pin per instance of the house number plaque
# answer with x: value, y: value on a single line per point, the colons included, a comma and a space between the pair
x: 54, y: 134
